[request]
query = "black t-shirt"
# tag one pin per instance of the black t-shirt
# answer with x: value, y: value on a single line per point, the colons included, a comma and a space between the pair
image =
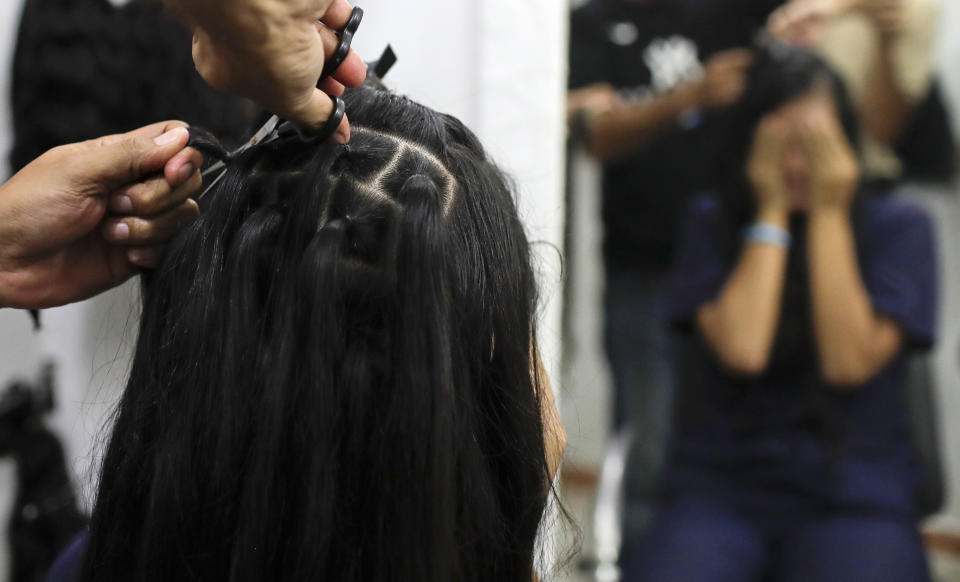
x: 644, y: 49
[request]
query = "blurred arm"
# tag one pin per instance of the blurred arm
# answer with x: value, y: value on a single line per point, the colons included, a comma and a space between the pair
x: 620, y: 131
x: 904, y: 64
x: 741, y: 324
x: 853, y: 342
x: 886, y: 106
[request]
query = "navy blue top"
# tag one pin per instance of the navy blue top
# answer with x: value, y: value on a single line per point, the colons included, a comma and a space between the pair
x: 67, y: 565
x: 759, y: 445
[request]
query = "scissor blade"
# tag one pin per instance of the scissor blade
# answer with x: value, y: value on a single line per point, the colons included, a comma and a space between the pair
x: 214, y: 169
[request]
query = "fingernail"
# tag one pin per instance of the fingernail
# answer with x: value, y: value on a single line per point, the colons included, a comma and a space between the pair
x: 121, y: 203
x: 119, y: 231
x: 185, y: 172
x: 171, y: 136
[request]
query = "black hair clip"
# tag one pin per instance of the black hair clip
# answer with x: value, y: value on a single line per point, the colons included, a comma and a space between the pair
x: 346, y: 41
x: 380, y: 67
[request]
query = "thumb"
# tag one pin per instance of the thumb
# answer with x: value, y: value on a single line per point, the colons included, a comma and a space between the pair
x: 109, y: 163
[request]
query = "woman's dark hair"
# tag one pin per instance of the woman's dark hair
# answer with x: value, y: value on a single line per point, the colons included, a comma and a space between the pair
x: 779, y: 75
x: 333, y: 375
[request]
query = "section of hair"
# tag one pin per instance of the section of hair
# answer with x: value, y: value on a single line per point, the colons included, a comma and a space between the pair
x: 313, y: 395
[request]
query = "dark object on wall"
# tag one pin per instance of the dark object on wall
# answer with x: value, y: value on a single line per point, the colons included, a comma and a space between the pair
x: 46, y: 516
x: 84, y: 69
x: 927, y: 147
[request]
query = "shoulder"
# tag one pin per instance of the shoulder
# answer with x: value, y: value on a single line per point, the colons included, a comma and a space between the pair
x: 889, y: 215
x: 67, y: 566
x: 590, y: 15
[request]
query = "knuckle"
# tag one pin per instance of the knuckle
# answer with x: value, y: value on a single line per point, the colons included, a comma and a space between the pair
x: 153, y: 194
x: 141, y: 231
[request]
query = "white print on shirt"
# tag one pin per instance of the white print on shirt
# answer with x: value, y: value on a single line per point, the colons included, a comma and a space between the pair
x: 672, y: 61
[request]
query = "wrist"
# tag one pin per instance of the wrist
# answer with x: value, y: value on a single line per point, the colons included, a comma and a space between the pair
x: 247, y: 27
x: 773, y: 213
x: 833, y: 200
x: 829, y: 212
x: 691, y: 96
x: 765, y: 233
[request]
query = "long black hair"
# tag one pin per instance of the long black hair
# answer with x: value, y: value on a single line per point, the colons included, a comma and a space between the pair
x: 333, y: 375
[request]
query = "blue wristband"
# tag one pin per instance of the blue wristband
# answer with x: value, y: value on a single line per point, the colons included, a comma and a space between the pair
x: 763, y: 232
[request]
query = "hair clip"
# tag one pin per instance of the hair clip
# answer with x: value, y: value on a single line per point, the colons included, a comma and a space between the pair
x: 380, y: 67
x: 346, y: 41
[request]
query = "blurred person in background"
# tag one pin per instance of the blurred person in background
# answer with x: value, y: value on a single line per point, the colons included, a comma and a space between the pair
x: 800, y: 293
x: 639, y: 87
x: 885, y: 52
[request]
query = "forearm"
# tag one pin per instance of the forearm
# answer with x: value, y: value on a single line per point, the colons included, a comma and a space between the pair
x: 852, y: 342
x: 741, y: 325
x: 621, y: 131
x: 886, y: 107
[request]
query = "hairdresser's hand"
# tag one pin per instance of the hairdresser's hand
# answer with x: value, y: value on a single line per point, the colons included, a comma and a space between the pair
x: 800, y: 22
x: 85, y: 217
x: 834, y: 171
x: 592, y: 101
x: 274, y: 53
x: 765, y: 165
x: 888, y: 17
x: 724, y: 78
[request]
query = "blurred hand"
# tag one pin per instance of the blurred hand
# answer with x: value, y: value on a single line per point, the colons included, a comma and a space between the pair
x: 888, y: 17
x: 765, y: 165
x: 800, y: 22
x: 725, y: 78
x: 834, y: 170
x: 58, y: 244
x: 591, y: 101
x: 274, y: 53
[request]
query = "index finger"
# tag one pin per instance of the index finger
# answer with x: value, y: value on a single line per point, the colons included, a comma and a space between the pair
x: 352, y: 71
x: 338, y: 14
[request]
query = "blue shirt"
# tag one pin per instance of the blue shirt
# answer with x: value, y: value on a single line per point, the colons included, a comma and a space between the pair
x: 759, y: 445
x: 67, y: 565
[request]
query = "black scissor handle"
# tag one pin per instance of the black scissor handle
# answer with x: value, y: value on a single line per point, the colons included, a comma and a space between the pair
x: 288, y: 131
x: 346, y: 41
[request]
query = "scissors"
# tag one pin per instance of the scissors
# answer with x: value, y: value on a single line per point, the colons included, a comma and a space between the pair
x: 278, y: 131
